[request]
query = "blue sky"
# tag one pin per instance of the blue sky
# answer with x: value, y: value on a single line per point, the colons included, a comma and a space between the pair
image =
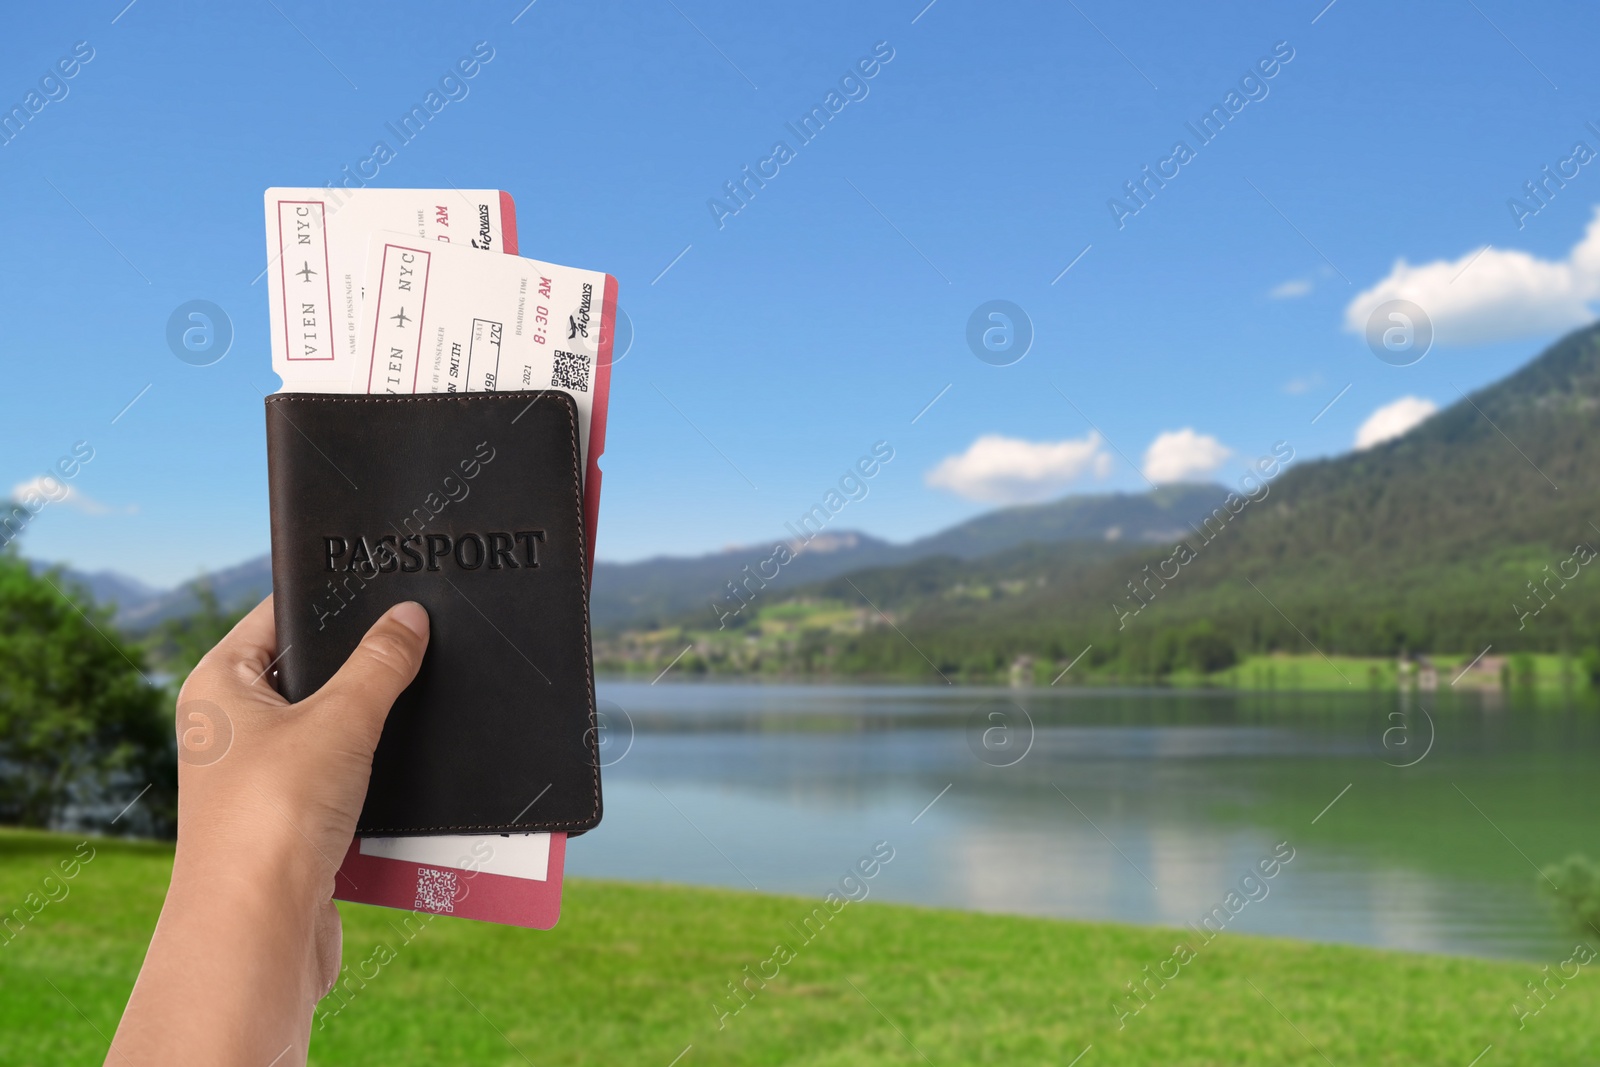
x: 828, y: 312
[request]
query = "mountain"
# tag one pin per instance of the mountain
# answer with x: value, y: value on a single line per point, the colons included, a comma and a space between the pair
x: 654, y: 591
x: 105, y: 587
x: 1477, y: 527
x: 236, y: 587
x: 651, y: 591
x: 1159, y: 515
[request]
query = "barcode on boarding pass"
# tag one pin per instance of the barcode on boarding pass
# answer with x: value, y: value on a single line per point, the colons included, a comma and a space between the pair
x: 436, y: 890
x: 571, y: 371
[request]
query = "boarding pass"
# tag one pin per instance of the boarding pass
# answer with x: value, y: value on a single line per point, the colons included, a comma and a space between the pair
x: 443, y: 319
x: 317, y: 257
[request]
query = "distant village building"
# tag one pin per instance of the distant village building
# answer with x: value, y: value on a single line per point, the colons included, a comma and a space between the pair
x: 1419, y: 671
x: 1487, y: 672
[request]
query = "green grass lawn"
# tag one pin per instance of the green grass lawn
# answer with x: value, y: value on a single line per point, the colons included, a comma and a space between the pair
x: 631, y: 974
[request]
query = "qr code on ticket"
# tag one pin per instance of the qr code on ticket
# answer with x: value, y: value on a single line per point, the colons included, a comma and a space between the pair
x: 436, y: 890
x: 571, y: 371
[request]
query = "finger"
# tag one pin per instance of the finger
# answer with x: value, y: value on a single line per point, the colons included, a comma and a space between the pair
x: 381, y: 666
x: 250, y: 647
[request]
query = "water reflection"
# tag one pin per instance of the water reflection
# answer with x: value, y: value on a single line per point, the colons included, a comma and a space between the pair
x: 1142, y: 807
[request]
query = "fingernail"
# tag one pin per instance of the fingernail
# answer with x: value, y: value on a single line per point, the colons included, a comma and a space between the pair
x: 412, y: 616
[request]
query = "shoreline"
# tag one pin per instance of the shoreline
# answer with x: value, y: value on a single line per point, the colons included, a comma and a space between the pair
x: 1543, y: 674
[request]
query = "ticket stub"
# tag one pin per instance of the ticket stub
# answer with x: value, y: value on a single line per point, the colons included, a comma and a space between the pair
x: 317, y: 257
x: 512, y: 880
x: 441, y: 319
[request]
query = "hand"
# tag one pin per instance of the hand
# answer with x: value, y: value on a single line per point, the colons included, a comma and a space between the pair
x: 268, y: 797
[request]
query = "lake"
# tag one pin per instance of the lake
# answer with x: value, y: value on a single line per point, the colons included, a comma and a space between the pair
x: 1415, y: 822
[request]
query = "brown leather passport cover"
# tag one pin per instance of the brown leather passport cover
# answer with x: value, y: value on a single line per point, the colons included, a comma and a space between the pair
x: 472, y: 505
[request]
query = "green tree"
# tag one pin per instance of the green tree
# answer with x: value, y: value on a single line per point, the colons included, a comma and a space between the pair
x: 1591, y: 666
x: 1525, y: 669
x: 1208, y: 651
x: 177, y: 645
x: 1573, y: 887
x: 79, y: 718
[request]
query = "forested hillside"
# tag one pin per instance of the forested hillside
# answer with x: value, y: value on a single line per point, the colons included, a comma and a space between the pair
x: 1477, y: 527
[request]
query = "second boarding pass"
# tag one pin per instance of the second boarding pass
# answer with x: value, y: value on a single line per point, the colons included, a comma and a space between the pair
x: 442, y: 318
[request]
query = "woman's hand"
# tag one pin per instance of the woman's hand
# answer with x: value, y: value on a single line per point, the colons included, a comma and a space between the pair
x: 268, y: 797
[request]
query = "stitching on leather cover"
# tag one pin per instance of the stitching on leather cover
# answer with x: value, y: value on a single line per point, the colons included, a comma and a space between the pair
x: 583, y: 595
x: 571, y: 408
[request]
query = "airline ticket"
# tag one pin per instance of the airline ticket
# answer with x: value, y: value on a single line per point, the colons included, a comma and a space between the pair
x: 439, y: 318
x: 317, y: 258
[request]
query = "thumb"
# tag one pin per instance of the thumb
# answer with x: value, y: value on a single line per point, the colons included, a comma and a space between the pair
x: 383, y: 664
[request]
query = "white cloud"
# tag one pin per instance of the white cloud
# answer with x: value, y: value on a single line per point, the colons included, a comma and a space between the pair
x: 38, y: 491
x: 1300, y: 386
x: 1493, y: 294
x: 1183, y: 455
x: 1289, y: 290
x: 1392, y: 420
x: 1008, y: 470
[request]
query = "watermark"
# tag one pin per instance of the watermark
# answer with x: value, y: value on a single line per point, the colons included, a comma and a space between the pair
x: 358, y: 558
x: 853, y: 885
x: 48, y: 487
x: 1543, y: 189
x: 1253, y: 88
x: 621, y: 337
x: 1399, y: 332
x: 1251, y: 888
x: 1254, y: 486
x: 205, y: 733
x: 52, y: 88
x: 199, y: 332
x: 53, y: 886
x: 1407, y: 735
x: 1000, y: 734
x: 353, y: 979
x: 611, y: 736
x: 1582, y: 556
x: 580, y: 337
x: 1541, y: 995
x: 853, y: 486
x: 738, y: 192
x: 451, y: 87
x: 999, y: 332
